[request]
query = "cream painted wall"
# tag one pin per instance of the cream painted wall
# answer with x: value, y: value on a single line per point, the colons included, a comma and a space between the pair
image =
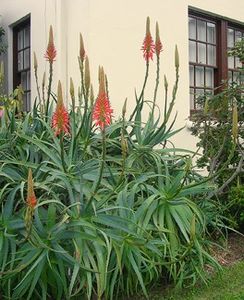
x: 113, y: 31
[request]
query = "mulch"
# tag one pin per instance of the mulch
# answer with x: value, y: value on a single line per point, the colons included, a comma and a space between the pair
x: 232, y: 252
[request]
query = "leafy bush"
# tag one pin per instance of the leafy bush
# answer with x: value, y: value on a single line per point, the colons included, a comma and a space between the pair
x: 219, y: 126
x: 97, y: 210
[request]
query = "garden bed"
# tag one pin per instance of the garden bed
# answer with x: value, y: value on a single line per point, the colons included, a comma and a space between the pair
x: 229, y: 285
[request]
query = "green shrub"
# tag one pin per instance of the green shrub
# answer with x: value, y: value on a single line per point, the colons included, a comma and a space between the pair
x: 219, y: 127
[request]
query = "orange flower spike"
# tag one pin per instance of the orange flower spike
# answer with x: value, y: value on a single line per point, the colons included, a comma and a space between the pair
x: 158, y: 44
x: 102, y: 112
x: 60, y: 119
x: 31, y: 198
x: 148, y: 46
x: 82, y: 49
x: 51, y: 52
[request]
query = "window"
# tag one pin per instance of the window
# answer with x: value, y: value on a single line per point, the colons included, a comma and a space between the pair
x: 21, y: 60
x: 209, y: 40
x: 233, y: 35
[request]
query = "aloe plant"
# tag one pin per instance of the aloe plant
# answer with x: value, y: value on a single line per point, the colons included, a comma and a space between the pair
x: 116, y: 207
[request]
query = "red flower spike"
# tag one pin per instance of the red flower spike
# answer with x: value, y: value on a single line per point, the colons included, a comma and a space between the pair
x: 51, y: 52
x: 158, y: 44
x: 148, y: 46
x: 60, y: 119
x: 102, y: 111
x: 31, y: 198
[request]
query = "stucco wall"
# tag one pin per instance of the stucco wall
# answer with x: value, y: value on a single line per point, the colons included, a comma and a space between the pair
x: 113, y: 32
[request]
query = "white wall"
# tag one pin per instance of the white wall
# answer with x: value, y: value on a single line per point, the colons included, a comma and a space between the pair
x: 113, y: 32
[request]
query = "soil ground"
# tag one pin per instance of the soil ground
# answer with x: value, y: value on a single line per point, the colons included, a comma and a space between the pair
x: 233, y: 252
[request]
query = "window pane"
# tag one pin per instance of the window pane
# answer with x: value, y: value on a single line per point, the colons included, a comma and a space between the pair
x: 230, y: 38
x: 20, y: 61
x: 191, y: 76
x: 238, y: 63
x: 211, y: 33
x: 192, y: 105
x: 28, y: 101
x: 238, y: 36
x: 199, y: 100
x: 236, y: 77
x: 27, y: 37
x: 192, y: 28
x: 201, y: 30
x: 192, y: 51
x: 201, y: 53
x: 26, y: 58
x: 209, y: 73
x: 211, y: 55
x: 24, y: 81
x: 199, y: 76
x: 28, y: 87
x: 20, y: 40
x: 231, y: 62
x: 230, y: 75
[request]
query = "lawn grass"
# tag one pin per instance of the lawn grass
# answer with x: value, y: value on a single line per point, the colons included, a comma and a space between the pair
x: 227, y: 286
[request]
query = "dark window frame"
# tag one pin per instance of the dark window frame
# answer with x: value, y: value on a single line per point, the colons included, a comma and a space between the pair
x: 221, y: 68
x: 23, y: 24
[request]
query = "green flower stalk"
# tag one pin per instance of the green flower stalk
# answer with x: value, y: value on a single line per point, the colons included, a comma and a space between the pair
x: 85, y: 81
x: 43, y: 88
x: 37, y: 82
x: 87, y: 77
x: 72, y: 93
x: 92, y: 96
x: 158, y: 49
x: 82, y: 49
x: 50, y: 56
x: 166, y: 96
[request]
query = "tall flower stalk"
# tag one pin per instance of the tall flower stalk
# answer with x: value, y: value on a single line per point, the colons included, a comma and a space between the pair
x: 73, y: 118
x: 158, y: 49
x: 60, y: 122
x: 101, y: 115
x: 83, y: 62
x: 50, y: 56
x: 37, y: 83
x: 31, y: 203
x: 124, y: 145
x: 148, y: 48
x: 43, y: 89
